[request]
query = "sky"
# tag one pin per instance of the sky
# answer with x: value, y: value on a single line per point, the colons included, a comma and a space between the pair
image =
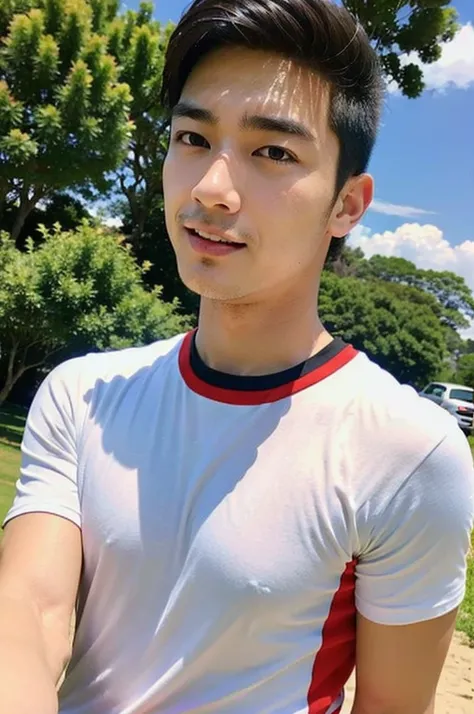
x: 423, y: 163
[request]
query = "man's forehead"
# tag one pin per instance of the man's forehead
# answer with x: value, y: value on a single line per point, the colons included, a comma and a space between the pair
x: 246, y: 82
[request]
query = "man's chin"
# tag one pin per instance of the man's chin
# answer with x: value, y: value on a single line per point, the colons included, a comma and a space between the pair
x: 214, y: 290
x: 219, y: 294
x: 208, y: 284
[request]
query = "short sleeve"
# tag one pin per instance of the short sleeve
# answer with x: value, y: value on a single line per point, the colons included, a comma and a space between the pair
x: 48, y: 475
x: 413, y: 567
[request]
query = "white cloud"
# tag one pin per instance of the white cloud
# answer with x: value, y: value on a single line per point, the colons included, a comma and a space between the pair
x: 394, y: 209
x: 425, y: 246
x: 469, y: 333
x: 357, y: 236
x: 455, y: 67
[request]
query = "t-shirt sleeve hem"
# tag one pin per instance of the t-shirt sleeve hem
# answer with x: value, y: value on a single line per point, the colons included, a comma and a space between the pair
x: 54, y: 510
x: 407, y: 616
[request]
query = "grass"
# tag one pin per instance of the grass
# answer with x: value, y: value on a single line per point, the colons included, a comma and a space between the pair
x: 466, y: 614
x: 12, y: 421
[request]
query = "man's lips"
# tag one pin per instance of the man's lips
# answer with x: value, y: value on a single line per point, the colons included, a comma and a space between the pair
x: 206, y: 230
x: 206, y: 246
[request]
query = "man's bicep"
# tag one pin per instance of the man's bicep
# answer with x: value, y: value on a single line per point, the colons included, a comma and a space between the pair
x: 398, y: 667
x: 41, y: 560
x: 40, y: 566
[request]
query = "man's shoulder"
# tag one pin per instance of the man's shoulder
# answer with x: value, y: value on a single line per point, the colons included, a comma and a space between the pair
x: 80, y: 374
x: 397, y: 444
x: 391, y: 401
x: 390, y: 420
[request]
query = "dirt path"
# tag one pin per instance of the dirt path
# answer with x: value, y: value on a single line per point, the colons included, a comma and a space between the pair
x: 456, y: 687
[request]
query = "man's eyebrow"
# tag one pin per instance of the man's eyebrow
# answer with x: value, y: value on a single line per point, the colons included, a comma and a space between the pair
x: 278, y: 125
x: 256, y: 122
x: 188, y: 110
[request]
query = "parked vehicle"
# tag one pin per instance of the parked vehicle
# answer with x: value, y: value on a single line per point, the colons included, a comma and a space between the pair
x: 457, y: 399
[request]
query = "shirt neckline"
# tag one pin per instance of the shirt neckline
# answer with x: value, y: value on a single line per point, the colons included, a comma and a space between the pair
x: 247, y: 391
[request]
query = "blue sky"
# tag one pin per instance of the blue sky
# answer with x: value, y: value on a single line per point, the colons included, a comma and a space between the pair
x: 423, y: 163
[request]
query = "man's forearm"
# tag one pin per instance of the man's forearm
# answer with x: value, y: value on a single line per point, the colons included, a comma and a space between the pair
x: 402, y: 708
x: 28, y: 672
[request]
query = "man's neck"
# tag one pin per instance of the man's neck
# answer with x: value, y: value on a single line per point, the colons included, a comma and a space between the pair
x: 259, y: 338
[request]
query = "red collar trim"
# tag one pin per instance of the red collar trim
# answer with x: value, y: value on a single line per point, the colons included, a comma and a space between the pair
x: 263, y: 396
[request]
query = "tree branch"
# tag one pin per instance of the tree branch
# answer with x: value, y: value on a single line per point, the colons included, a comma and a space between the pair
x: 11, y: 361
x: 27, y: 203
x: 45, y: 358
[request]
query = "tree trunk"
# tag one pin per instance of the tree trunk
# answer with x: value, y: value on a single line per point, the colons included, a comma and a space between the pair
x: 27, y: 204
x: 10, y: 383
x: 11, y: 377
x: 3, y: 198
x: 5, y: 391
x: 20, y: 219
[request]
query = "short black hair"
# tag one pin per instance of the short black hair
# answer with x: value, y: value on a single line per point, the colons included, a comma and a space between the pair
x: 315, y: 33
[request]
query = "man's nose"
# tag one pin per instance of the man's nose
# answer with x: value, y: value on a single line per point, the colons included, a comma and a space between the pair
x: 216, y: 189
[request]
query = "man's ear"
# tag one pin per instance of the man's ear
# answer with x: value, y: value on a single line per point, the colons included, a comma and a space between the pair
x: 351, y: 204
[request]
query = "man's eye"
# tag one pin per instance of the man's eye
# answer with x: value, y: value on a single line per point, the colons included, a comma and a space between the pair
x: 190, y: 138
x: 277, y: 154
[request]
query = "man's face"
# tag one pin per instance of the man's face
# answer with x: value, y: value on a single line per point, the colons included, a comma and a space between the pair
x: 252, y: 161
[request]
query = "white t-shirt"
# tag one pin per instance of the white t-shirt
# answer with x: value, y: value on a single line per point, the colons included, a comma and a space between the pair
x: 231, y: 526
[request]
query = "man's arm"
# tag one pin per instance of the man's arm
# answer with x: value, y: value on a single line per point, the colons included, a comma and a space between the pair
x: 398, y: 667
x: 411, y: 574
x: 40, y: 566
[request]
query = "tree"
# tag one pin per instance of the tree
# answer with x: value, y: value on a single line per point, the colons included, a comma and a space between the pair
x: 346, y: 261
x: 63, y: 112
x: 154, y: 246
x: 450, y: 290
x: 399, y: 27
x: 398, y: 329
x: 465, y: 370
x: 78, y: 291
x: 61, y: 208
x: 468, y: 347
x: 138, y: 44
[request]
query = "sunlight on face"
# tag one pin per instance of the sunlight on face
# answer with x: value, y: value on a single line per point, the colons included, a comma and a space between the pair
x: 251, y: 156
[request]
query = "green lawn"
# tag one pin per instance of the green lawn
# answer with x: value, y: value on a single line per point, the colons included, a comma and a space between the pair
x: 11, y: 426
x: 12, y: 421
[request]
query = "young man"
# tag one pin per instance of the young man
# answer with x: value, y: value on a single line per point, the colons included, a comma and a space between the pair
x: 246, y: 512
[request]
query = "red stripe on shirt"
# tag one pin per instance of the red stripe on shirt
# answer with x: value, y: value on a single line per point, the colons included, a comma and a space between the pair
x: 335, y: 659
x: 258, y: 396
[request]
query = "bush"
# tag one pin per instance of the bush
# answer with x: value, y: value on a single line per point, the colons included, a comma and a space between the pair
x: 78, y: 291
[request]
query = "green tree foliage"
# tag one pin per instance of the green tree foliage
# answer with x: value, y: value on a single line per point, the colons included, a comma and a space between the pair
x: 154, y: 245
x: 450, y: 290
x: 63, y: 111
x: 399, y: 27
x: 465, y: 370
x: 61, y: 208
x: 77, y: 291
x: 398, y: 328
x: 468, y: 347
x: 444, y: 293
x: 138, y: 44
